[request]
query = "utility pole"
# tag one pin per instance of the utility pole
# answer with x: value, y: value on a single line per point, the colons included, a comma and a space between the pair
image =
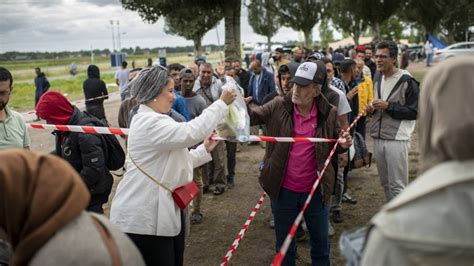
x: 113, y: 35
x: 118, y: 32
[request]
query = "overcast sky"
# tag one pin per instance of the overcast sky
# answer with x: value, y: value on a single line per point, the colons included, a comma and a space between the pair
x: 69, y: 25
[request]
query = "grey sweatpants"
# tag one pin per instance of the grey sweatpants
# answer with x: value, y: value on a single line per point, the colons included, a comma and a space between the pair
x: 392, y: 164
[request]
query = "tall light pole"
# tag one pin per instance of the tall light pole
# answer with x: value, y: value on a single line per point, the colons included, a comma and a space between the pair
x: 118, y: 32
x: 113, y: 35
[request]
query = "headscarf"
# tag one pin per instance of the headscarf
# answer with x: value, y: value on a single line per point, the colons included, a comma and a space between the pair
x: 149, y: 83
x: 446, y: 113
x: 39, y: 194
x: 54, y: 108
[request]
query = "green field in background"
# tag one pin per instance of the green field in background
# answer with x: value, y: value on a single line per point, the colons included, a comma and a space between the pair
x: 23, y: 95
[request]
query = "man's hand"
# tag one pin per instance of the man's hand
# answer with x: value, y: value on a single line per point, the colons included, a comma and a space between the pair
x: 352, y: 93
x: 380, y: 104
x: 348, y: 143
x: 342, y: 159
x: 248, y: 100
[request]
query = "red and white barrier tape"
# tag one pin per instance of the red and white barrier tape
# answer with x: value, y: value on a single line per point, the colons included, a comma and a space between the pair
x: 82, y: 129
x: 241, y: 234
x: 278, y: 259
x: 280, y: 139
x: 124, y: 131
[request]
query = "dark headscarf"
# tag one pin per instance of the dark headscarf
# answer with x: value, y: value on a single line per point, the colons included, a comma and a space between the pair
x: 39, y: 194
x: 446, y: 113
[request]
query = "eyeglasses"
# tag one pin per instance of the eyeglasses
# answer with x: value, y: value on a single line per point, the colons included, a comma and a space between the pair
x: 381, y: 56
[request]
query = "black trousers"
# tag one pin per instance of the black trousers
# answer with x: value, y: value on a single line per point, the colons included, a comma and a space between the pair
x: 96, y: 110
x: 161, y: 250
x: 231, y: 150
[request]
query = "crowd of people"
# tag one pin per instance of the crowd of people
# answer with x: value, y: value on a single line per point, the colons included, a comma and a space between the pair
x: 172, y: 112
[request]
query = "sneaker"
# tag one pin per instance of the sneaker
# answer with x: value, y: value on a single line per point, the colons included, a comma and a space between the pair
x: 196, y: 218
x: 230, y: 185
x: 337, y: 217
x: 331, y: 231
x: 272, y: 222
x: 219, y: 191
x: 348, y: 199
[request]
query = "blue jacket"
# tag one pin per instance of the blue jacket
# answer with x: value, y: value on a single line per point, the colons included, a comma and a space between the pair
x: 266, y: 86
x: 42, y: 86
x: 180, y: 106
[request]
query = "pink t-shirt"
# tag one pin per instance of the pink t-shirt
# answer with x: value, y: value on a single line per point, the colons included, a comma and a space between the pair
x: 301, y: 169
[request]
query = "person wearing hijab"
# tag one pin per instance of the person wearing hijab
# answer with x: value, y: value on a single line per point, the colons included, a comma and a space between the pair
x: 158, y: 157
x: 83, y: 151
x: 94, y: 87
x: 42, y: 203
x: 432, y: 221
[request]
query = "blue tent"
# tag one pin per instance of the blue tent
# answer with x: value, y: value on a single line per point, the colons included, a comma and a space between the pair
x: 436, y: 42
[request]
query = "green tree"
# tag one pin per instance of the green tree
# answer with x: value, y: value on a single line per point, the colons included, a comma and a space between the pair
x: 348, y: 16
x: 458, y: 17
x: 391, y: 29
x: 426, y: 14
x: 263, y: 19
x: 193, y: 25
x: 377, y: 12
x: 301, y: 15
x: 325, y: 32
x: 151, y: 10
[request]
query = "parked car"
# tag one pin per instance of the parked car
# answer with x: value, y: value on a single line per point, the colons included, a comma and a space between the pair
x: 457, y: 49
x: 415, y: 52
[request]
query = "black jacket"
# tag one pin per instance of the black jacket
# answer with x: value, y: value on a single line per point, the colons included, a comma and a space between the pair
x: 85, y: 153
x: 94, y: 87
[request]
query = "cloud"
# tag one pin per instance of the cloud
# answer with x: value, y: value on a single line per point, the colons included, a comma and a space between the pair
x: 102, y: 2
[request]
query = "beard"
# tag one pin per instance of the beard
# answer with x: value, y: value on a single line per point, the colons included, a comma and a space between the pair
x: 3, y: 104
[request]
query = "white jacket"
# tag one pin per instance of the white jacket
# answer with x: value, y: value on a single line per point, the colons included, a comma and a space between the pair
x: 159, y: 146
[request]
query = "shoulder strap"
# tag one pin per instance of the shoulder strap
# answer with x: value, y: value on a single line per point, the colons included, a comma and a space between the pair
x: 149, y: 176
x: 108, y: 241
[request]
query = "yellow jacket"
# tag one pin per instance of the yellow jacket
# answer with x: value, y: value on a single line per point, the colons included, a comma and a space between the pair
x: 366, y: 92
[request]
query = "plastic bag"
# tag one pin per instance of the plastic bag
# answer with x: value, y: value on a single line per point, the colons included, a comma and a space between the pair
x: 236, y: 125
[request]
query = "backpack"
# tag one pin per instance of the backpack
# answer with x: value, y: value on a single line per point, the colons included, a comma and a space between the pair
x: 114, y: 154
x: 362, y: 157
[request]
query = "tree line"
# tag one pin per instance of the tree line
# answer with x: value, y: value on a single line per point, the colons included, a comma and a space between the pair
x: 448, y: 19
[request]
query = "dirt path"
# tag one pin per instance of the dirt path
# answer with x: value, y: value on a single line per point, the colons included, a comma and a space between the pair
x: 224, y: 215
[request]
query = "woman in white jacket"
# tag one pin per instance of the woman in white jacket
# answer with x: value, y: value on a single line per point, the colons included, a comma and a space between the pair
x: 159, y: 147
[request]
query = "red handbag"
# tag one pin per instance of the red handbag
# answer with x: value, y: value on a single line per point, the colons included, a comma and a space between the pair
x: 182, y: 196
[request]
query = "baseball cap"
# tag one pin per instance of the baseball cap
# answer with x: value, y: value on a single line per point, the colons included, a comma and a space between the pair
x: 337, y: 58
x: 186, y: 72
x: 316, y: 56
x: 309, y: 72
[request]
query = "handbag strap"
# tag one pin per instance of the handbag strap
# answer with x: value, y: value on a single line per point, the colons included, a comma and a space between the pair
x: 149, y: 176
x: 108, y: 241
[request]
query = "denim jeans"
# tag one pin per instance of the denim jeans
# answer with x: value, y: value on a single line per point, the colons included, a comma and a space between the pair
x: 286, y: 208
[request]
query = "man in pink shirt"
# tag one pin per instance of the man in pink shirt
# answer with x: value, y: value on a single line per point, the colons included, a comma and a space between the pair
x: 290, y: 169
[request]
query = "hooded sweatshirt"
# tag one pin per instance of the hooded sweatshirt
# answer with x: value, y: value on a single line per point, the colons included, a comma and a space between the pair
x: 54, y: 108
x: 94, y: 87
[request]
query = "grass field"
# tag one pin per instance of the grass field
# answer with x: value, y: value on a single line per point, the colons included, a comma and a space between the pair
x: 23, y: 95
